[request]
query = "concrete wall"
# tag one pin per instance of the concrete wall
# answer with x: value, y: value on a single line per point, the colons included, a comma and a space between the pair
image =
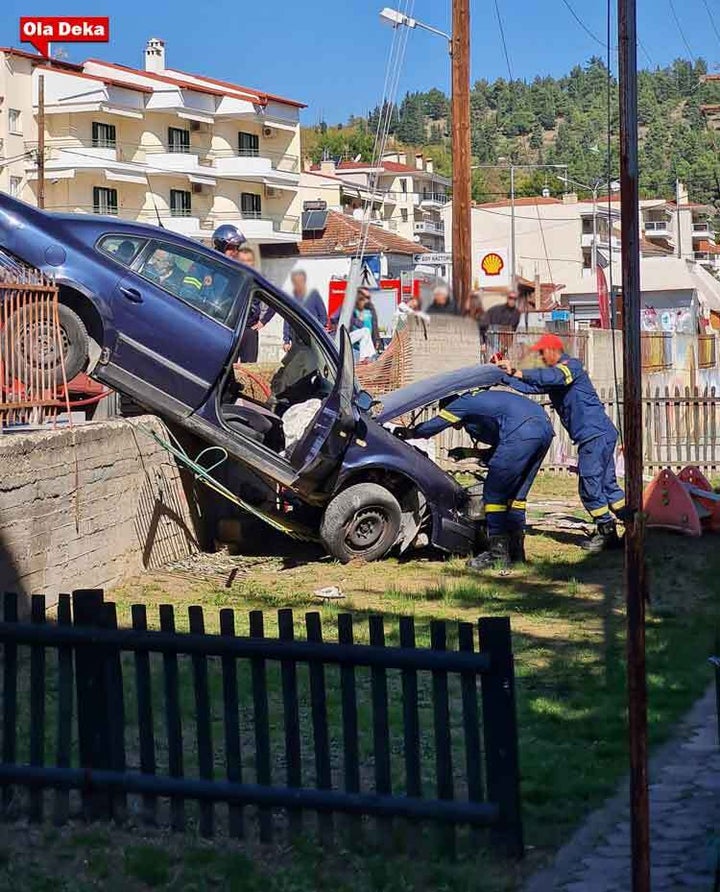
x: 89, y: 507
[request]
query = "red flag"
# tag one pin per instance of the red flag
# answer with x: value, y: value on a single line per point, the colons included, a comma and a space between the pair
x: 603, y: 298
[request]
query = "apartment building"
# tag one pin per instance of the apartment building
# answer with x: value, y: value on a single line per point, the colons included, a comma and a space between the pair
x: 155, y: 144
x: 407, y: 199
x: 557, y: 239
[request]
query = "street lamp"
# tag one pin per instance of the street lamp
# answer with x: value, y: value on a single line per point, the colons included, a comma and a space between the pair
x: 398, y: 19
x: 459, y: 48
x: 613, y: 186
x: 512, y: 168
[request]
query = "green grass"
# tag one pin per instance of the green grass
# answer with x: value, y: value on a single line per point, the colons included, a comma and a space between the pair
x: 567, y: 617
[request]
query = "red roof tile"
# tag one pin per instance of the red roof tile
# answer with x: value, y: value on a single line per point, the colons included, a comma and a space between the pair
x: 520, y: 202
x: 707, y: 248
x: 341, y: 236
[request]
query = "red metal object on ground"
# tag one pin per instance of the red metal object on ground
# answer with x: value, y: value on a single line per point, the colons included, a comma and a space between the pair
x: 697, y: 485
x: 668, y: 505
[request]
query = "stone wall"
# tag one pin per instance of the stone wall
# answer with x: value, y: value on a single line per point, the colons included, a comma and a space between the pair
x: 88, y: 507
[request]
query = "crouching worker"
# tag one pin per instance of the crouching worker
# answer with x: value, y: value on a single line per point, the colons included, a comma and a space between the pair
x: 519, y: 435
x: 583, y: 416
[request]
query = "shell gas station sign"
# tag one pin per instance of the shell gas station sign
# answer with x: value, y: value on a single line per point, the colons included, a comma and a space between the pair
x: 493, y: 268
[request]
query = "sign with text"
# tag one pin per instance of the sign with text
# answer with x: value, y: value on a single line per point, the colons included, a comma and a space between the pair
x: 41, y: 31
x: 433, y: 259
x: 493, y: 268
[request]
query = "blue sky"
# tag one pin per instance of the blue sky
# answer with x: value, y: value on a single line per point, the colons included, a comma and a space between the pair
x: 332, y: 54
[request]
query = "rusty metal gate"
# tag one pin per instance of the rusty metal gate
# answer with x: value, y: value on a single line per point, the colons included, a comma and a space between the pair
x: 32, y: 369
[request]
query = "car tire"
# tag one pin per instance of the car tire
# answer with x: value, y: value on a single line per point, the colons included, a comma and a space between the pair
x: 22, y: 335
x: 361, y: 523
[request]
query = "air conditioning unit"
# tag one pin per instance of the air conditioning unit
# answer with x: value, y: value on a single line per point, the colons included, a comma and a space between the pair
x: 268, y: 132
x: 271, y: 192
x: 198, y: 127
x: 197, y: 188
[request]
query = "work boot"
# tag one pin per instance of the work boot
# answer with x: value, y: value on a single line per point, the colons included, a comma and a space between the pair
x: 497, y: 555
x: 605, y: 538
x: 517, y: 547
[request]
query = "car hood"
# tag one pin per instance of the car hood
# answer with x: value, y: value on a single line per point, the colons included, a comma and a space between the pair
x: 430, y: 390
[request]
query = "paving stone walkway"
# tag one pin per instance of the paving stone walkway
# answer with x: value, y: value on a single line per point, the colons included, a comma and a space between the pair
x: 685, y: 821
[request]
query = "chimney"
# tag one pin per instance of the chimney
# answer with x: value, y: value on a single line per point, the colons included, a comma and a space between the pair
x: 155, y: 55
x: 402, y: 158
x: 570, y: 198
x: 419, y: 161
x: 683, y: 196
x: 429, y: 166
x: 327, y: 166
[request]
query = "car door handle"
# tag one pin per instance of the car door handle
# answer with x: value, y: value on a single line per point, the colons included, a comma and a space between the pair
x: 132, y: 294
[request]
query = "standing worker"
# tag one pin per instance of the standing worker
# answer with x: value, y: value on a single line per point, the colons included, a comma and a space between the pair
x: 519, y: 434
x: 583, y: 416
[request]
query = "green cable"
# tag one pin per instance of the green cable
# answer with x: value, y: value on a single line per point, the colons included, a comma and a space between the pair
x: 203, y: 473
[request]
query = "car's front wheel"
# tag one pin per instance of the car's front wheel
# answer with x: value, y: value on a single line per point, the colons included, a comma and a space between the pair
x: 38, y: 347
x: 361, y: 523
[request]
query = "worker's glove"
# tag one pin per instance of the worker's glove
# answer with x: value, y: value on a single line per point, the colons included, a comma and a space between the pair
x: 462, y: 453
x: 404, y: 433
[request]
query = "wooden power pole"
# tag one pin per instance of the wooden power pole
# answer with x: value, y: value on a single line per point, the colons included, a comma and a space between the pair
x: 461, y: 214
x: 632, y: 416
x: 41, y: 142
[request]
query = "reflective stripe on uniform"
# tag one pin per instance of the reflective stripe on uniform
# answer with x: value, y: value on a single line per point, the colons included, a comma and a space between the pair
x: 518, y: 505
x: 566, y: 372
x: 599, y: 512
x: 448, y: 416
x: 191, y: 280
x: 490, y: 508
x: 617, y: 506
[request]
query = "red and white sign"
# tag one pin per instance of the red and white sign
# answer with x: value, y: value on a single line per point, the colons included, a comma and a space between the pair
x: 41, y: 31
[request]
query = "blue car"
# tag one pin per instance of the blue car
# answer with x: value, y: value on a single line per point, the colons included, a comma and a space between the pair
x: 160, y: 318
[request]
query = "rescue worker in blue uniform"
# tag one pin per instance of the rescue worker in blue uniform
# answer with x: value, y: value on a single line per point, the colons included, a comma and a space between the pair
x: 583, y: 416
x: 519, y: 434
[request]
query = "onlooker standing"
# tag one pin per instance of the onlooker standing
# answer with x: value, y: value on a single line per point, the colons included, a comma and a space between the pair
x: 442, y: 303
x: 258, y: 317
x: 364, y: 331
x: 309, y: 301
x: 504, y: 316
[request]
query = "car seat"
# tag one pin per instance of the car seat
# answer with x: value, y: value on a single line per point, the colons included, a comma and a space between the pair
x: 255, y: 421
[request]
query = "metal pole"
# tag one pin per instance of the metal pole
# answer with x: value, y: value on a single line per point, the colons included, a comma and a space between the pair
x: 462, y: 193
x: 513, y: 265
x: 41, y: 142
x: 632, y: 391
x: 593, y: 262
x: 678, y: 221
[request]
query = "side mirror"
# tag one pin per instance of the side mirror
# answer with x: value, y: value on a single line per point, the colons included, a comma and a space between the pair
x: 365, y: 401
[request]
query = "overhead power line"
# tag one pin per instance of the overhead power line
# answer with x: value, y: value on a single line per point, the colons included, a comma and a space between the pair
x: 712, y: 19
x: 593, y: 36
x: 680, y: 30
x: 504, y: 42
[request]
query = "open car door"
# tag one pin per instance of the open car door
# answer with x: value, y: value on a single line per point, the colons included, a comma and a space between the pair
x: 319, y: 451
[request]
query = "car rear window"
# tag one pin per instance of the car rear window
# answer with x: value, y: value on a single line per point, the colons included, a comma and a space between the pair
x: 122, y: 248
x: 193, y: 278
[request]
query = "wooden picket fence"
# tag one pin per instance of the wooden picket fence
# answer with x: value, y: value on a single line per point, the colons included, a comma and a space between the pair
x: 147, y: 721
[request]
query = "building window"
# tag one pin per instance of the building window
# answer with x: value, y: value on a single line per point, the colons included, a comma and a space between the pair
x: 404, y: 215
x: 178, y: 140
x: 15, y: 186
x: 103, y: 135
x: 248, y: 144
x: 179, y: 203
x: 251, y: 206
x: 105, y: 201
x: 403, y: 186
x: 14, y: 121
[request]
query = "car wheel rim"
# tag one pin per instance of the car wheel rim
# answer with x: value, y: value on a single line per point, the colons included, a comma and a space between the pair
x: 365, y: 529
x: 41, y: 347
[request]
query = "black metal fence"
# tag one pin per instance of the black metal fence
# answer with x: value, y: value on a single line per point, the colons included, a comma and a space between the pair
x: 300, y: 728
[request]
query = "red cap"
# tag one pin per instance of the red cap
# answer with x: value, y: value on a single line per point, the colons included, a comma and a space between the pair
x: 549, y: 342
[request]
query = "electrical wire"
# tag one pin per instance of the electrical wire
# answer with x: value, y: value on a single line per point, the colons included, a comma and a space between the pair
x: 712, y: 19
x: 504, y: 42
x: 680, y: 30
x: 599, y: 40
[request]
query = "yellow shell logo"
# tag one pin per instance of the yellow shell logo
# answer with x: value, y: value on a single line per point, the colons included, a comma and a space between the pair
x: 492, y: 264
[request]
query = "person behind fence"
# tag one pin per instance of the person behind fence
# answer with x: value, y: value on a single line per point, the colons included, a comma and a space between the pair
x: 582, y: 414
x: 519, y: 434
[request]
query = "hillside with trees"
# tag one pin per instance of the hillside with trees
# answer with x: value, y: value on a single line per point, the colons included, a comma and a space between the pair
x: 556, y: 121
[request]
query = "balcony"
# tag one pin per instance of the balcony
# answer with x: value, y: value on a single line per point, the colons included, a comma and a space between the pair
x: 601, y: 240
x: 433, y: 200
x: 429, y: 227
x: 703, y: 229
x: 254, y: 165
x: 263, y: 226
x: 657, y: 229
x: 707, y: 259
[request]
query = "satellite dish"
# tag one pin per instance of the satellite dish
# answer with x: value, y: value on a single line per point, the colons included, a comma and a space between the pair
x: 357, y: 158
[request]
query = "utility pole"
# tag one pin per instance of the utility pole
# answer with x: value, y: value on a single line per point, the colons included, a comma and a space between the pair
x: 513, y: 251
x: 632, y: 414
x: 41, y: 142
x: 462, y: 193
x: 678, y: 218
